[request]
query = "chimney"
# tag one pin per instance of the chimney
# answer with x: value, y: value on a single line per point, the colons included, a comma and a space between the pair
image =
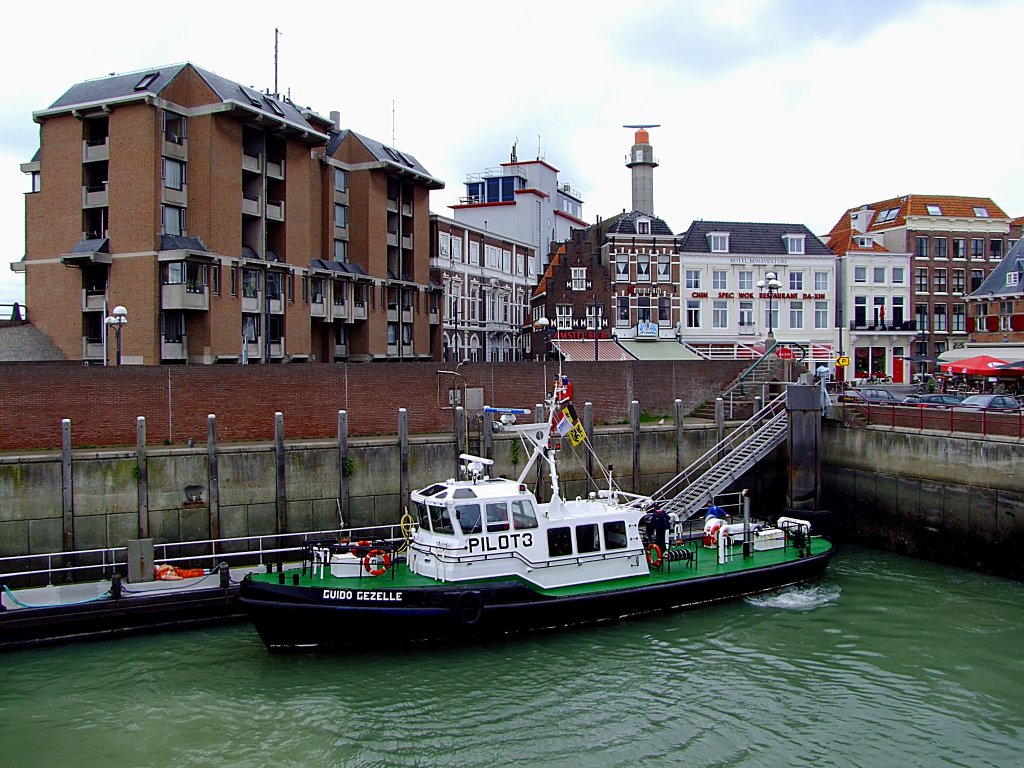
x: 336, y: 119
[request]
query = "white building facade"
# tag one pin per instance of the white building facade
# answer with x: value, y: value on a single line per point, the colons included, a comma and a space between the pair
x: 523, y: 201
x: 722, y: 305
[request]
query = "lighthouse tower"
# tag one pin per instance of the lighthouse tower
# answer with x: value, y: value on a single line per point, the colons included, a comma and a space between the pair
x: 642, y: 163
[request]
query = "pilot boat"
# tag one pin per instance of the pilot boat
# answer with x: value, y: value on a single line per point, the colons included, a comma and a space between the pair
x: 482, y: 556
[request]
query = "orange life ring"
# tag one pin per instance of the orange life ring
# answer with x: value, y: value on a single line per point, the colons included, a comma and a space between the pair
x: 654, y: 555
x: 360, y: 548
x: 385, y: 560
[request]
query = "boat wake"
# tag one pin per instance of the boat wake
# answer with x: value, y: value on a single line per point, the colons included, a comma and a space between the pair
x: 800, y: 597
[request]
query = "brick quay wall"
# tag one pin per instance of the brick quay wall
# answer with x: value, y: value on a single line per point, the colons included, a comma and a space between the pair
x: 103, y: 402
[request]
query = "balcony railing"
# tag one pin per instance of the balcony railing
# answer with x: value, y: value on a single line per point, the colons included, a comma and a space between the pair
x: 185, y: 296
x: 275, y: 169
x: 393, y: 239
x: 252, y: 163
x: 359, y: 311
x: 174, y: 350
x: 91, y: 349
x: 251, y: 205
x: 318, y: 308
x: 275, y: 210
x: 95, y: 149
x: 95, y: 196
x: 93, y: 300
x: 341, y: 350
x: 407, y: 242
x: 906, y: 325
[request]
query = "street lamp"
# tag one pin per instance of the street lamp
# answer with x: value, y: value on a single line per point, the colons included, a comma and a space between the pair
x: 771, y: 284
x: 543, y: 326
x: 117, y: 319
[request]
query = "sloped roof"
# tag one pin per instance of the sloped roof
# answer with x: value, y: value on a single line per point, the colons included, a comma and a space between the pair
x: 917, y: 205
x: 542, y: 284
x: 582, y: 350
x: 752, y: 238
x: 152, y: 82
x: 664, y: 349
x: 841, y: 240
x: 995, y: 284
x: 625, y: 224
x: 398, y: 159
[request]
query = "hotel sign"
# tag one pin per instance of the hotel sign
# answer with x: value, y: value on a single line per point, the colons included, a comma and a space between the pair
x: 647, y: 330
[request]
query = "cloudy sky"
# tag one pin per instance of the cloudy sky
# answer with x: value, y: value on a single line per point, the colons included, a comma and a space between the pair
x: 770, y: 110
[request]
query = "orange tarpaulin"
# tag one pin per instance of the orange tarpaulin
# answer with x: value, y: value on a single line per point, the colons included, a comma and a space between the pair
x: 982, y: 365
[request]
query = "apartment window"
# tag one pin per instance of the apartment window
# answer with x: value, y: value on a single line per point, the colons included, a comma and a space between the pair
x: 340, y: 216
x: 860, y: 311
x: 622, y: 312
x: 939, y: 276
x: 305, y: 289
x: 995, y: 250
x: 897, y: 310
x: 1009, y: 244
x: 940, y: 247
x: 796, y: 314
x: 622, y: 267
x: 579, y: 278
x: 921, y: 311
x: 959, y: 280
x: 643, y: 227
x: 172, y: 326
x: 664, y: 311
x: 341, y: 251
x: 878, y: 275
x: 234, y: 281
x: 879, y: 310
x: 693, y: 278
x: 692, y: 314
x: 250, y: 284
x: 215, y: 278
x: 794, y: 244
x: 274, y: 285
x: 977, y: 278
x: 746, y: 315
x: 664, y: 268
x: 340, y: 180
x: 291, y: 287
x: 821, y: 314
x: 719, y: 242
x: 457, y: 250
x: 860, y: 274
x: 821, y: 281
x: 746, y: 280
x: 921, y: 248
x: 897, y: 275
x: 643, y: 268
x: 173, y: 219
x: 174, y: 128
x: 959, y: 319
x: 977, y: 249
x: 796, y: 281
x: 37, y: 185
x: 921, y: 280
x: 1012, y: 278
x: 474, y: 253
x: 959, y: 248
x: 720, y: 314
x: 643, y: 309
x: 563, y: 317
x: 939, y: 318
x: 771, y: 316
x: 173, y: 173
x: 720, y: 280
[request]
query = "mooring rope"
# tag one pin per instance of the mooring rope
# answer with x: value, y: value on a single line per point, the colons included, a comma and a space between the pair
x: 19, y: 603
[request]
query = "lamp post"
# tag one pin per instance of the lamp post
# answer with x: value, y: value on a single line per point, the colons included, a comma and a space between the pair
x: 771, y: 285
x: 117, y: 319
x: 597, y: 322
x: 543, y: 326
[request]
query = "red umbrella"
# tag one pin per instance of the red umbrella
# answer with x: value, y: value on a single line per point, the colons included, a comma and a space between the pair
x: 974, y: 366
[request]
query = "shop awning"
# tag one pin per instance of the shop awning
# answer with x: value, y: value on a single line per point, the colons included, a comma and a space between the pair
x: 1011, y: 353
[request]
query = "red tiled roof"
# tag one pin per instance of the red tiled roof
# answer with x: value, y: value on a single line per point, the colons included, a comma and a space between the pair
x: 542, y: 286
x: 911, y: 205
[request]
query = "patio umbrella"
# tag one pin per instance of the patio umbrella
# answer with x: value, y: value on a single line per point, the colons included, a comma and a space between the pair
x: 1016, y: 369
x: 981, y: 365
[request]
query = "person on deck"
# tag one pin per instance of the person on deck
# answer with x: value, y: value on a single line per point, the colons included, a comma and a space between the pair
x: 715, y: 511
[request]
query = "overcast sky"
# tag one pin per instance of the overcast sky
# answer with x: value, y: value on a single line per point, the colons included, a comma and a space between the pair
x: 770, y: 110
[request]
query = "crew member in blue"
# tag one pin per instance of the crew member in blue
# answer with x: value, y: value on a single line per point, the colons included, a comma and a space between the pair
x: 660, y: 522
x: 715, y: 511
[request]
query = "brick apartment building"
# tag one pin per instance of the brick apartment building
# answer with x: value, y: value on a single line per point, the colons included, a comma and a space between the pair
x: 232, y: 224
x: 995, y: 311
x: 954, y: 242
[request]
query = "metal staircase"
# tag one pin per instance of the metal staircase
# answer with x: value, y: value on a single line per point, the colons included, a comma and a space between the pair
x: 692, y: 489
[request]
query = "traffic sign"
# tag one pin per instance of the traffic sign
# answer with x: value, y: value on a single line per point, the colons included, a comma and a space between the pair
x: 785, y: 353
x: 842, y: 362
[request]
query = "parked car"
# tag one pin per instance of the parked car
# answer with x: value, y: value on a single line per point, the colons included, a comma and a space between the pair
x: 878, y: 396
x: 990, y: 403
x: 934, y: 400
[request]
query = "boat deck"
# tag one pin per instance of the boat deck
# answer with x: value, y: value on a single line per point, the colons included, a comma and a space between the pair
x: 704, y: 564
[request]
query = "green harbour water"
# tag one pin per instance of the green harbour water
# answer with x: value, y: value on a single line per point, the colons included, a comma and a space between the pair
x: 886, y: 661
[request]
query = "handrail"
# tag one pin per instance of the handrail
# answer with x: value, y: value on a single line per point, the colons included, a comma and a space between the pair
x: 748, y: 428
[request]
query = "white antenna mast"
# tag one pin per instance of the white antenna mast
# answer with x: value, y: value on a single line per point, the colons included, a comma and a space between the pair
x: 277, y: 33
x: 393, y: 123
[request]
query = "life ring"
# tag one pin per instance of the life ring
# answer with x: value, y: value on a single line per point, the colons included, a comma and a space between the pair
x: 469, y: 606
x: 654, y: 555
x: 368, y: 562
x: 360, y: 548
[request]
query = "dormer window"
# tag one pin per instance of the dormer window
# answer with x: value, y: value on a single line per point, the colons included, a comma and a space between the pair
x: 794, y: 243
x: 888, y: 215
x: 643, y: 226
x: 1012, y: 278
x: 981, y: 212
x: 865, y: 242
x: 719, y: 242
x: 934, y: 210
x: 147, y: 81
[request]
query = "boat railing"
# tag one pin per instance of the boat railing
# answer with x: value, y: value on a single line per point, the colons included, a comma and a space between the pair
x: 48, y: 569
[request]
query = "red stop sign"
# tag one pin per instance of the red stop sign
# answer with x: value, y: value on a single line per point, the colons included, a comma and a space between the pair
x: 785, y: 353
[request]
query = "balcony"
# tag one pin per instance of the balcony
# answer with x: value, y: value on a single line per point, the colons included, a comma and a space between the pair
x: 254, y: 349
x: 407, y: 242
x: 93, y: 301
x: 252, y: 303
x: 318, y: 308
x: 95, y: 149
x: 359, y: 311
x: 252, y: 163
x: 340, y: 350
x: 175, y: 146
x: 392, y: 205
x: 393, y: 239
x: 340, y: 311
x: 91, y: 349
x: 407, y: 314
x: 407, y: 209
x: 174, y: 350
x: 275, y: 169
x: 433, y: 316
x: 275, y: 210
x: 251, y: 205
x: 95, y: 196
x: 175, y: 196
x: 275, y: 304
x: 904, y: 326
x: 184, y: 296
x: 407, y: 350
x: 277, y: 349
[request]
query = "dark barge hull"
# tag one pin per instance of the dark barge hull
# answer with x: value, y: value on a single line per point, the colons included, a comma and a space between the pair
x: 289, y: 616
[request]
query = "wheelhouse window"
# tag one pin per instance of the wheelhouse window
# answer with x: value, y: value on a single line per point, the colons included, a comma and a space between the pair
x: 559, y: 542
x: 497, y: 516
x: 587, y: 538
x: 615, y: 535
x: 468, y: 516
x: 523, y: 516
x: 440, y: 522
